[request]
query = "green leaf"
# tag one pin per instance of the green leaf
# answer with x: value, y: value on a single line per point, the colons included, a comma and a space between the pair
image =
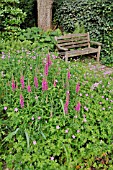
x: 27, y: 138
x: 62, y: 106
x: 11, y: 135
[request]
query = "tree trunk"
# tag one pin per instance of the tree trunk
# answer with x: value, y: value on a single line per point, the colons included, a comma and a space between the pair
x: 44, y: 8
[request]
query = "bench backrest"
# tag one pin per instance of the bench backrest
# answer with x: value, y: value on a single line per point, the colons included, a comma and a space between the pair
x: 73, y: 40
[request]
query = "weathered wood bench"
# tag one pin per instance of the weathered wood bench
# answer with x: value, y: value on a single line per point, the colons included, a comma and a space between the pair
x: 72, y: 45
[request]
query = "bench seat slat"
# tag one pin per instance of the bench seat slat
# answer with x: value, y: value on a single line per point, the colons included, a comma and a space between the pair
x: 71, y: 36
x: 75, y: 46
x: 72, y: 40
x: 81, y: 52
x: 73, y: 43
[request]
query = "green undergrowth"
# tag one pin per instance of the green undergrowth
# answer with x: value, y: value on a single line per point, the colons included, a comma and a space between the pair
x: 36, y: 130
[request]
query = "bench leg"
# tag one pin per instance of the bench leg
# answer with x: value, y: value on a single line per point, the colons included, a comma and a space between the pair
x: 98, y: 53
x: 66, y: 57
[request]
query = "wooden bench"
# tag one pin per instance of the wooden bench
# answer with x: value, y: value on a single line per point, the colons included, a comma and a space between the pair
x: 72, y: 45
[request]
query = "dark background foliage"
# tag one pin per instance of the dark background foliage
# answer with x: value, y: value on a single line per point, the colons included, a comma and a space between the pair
x: 30, y: 7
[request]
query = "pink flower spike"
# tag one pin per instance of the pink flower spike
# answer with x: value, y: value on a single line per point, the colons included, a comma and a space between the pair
x: 5, y: 107
x: 66, y: 107
x: 13, y: 85
x: 77, y: 108
x: 16, y: 109
x: 22, y: 82
x: 21, y: 101
x: 46, y: 69
x: 29, y: 88
x: 77, y: 88
x: 49, y: 60
x: 34, y: 142
x: 44, y: 85
x: 36, y: 82
x: 68, y: 75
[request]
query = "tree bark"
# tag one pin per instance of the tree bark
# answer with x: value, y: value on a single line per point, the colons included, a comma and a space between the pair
x: 44, y: 8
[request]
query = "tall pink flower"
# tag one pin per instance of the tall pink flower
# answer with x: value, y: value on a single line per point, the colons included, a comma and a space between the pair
x: 49, y: 60
x: 29, y: 88
x: 46, y: 69
x: 36, y: 82
x: 22, y: 82
x: 67, y: 96
x: 77, y: 108
x: 67, y: 102
x: 13, y: 85
x: 66, y: 107
x: 44, y: 85
x: 68, y: 75
x: 77, y: 88
x: 21, y: 101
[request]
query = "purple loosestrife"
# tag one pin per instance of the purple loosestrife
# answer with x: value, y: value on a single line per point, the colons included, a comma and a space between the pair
x: 46, y: 69
x: 21, y: 101
x: 44, y: 85
x: 77, y: 108
x: 29, y: 88
x: 36, y: 82
x: 22, y: 81
x: 77, y: 88
x: 67, y: 97
x: 49, y: 60
x: 68, y: 75
x: 67, y: 102
x: 13, y: 85
x: 66, y: 107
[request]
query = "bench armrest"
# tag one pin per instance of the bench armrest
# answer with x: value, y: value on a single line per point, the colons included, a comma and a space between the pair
x: 61, y: 48
x: 96, y: 43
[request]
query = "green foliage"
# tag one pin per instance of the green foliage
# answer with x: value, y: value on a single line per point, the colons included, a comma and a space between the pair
x: 30, y: 8
x: 10, y: 16
x: 96, y: 16
x: 79, y: 28
x: 41, y: 135
x: 30, y: 38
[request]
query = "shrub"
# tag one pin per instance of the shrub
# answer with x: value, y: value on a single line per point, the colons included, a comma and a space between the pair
x: 33, y: 37
x: 11, y: 16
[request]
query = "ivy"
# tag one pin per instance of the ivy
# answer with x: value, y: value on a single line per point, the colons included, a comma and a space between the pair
x: 96, y: 16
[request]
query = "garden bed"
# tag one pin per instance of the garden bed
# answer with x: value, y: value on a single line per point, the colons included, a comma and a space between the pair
x: 54, y: 115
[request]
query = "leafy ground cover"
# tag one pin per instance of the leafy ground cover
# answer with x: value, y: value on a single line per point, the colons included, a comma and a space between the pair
x: 54, y: 115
